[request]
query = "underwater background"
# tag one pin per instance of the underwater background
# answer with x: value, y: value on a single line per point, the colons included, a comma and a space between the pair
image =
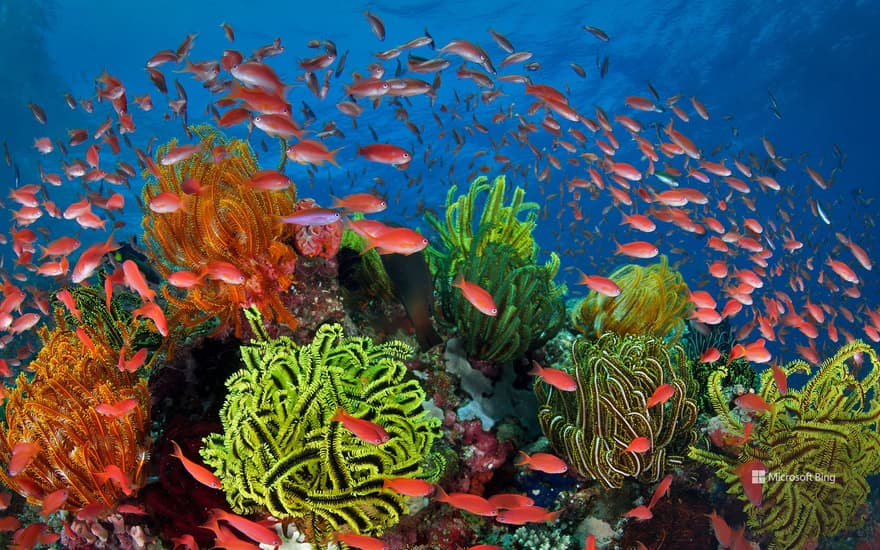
x: 650, y: 233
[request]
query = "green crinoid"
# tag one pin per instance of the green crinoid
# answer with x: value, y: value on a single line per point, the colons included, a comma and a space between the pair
x: 591, y: 426
x: 496, y: 251
x: 280, y: 453
x: 827, y: 429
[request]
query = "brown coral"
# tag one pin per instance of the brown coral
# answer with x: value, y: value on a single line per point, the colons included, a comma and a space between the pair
x: 56, y: 410
x: 226, y: 222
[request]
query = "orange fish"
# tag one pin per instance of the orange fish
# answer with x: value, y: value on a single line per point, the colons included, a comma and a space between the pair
x: 661, y: 490
x: 363, y: 542
x: 543, y: 462
x: 310, y: 151
x: 153, y: 312
x: 360, y: 202
x: 710, y: 355
x: 474, y: 504
x: 408, y: 486
x: 136, y: 281
x: 386, y: 154
x: 557, y: 378
x: 753, y: 402
x: 637, y: 249
x: 602, y: 285
x: 112, y: 472
x: 640, y: 444
x: 476, y: 295
x: 526, y: 514
x: 363, y: 429
x: 780, y: 379
x: 752, y: 480
x: 640, y: 512
x: 661, y: 395
x: 118, y: 409
x: 197, y: 471
x: 510, y: 500
x: 722, y: 530
x: 23, y: 453
x: 254, y: 531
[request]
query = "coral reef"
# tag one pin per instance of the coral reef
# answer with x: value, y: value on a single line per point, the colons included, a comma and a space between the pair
x: 499, y: 254
x: 653, y: 301
x: 591, y: 427
x: 281, y: 453
x: 826, y: 430
x: 56, y: 411
x: 227, y: 222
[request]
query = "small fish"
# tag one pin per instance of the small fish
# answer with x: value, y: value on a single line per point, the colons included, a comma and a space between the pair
x: 53, y: 502
x: 23, y: 453
x: 408, y: 486
x: 376, y: 25
x: 710, y: 355
x: 526, y: 514
x: 640, y: 512
x: 310, y: 151
x: 111, y: 472
x: 661, y: 395
x: 597, y: 32
x: 118, y: 409
x: 748, y: 473
x: 360, y: 202
x: 386, y: 154
x: 312, y: 216
x: 640, y: 444
x: 723, y: 533
x: 602, y: 285
x: 399, y: 240
x: 557, y: 378
x: 510, y: 500
x: 253, y: 530
x: 661, y: 490
x: 543, y: 462
x: 637, y: 249
x: 752, y: 402
x: 218, y: 270
x: 476, y: 295
x: 363, y: 542
x: 474, y: 504
x: 197, y: 471
x: 363, y: 429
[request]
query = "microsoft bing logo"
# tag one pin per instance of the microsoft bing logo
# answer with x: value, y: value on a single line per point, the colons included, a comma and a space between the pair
x: 759, y: 477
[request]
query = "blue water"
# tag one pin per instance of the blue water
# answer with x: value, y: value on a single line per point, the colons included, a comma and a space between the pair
x: 820, y: 60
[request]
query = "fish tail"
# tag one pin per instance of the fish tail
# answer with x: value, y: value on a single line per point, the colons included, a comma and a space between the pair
x: 524, y: 459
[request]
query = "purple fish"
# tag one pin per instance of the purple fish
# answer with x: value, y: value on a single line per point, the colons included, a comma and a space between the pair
x: 313, y: 216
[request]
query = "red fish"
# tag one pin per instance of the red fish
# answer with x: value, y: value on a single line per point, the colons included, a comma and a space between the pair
x: 640, y: 512
x: 385, y: 154
x: 753, y: 402
x: 751, y: 475
x: 640, y: 444
x: 363, y: 542
x: 408, y: 486
x: 661, y: 395
x: 360, y: 202
x: 112, y: 472
x: 602, y: 285
x: 474, y: 504
x: 476, y: 295
x: 637, y: 249
x: 197, y: 471
x: 661, y: 490
x: 526, y: 514
x: 543, y: 462
x: 510, y: 500
x: 23, y: 453
x: 310, y: 151
x: 363, y: 429
x: 153, y: 312
x: 118, y: 409
x: 399, y: 240
x: 557, y: 378
x: 722, y: 530
x: 254, y: 531
x: 136, y: 281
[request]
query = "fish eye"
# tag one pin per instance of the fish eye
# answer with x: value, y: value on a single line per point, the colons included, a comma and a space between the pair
x: 494, y: 310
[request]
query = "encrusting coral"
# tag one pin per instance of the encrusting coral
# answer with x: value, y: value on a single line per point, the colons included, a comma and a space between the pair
x: 282, y: 453
x: 653, y: 300
x: 57, y: 412
x: 227, y: 221
x: 499, y: 254
x: 827, y: 430
x: 592, y: 426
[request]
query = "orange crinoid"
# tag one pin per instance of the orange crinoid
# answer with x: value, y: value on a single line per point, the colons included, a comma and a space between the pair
x: 226, y: 222
x: 56, y: 414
